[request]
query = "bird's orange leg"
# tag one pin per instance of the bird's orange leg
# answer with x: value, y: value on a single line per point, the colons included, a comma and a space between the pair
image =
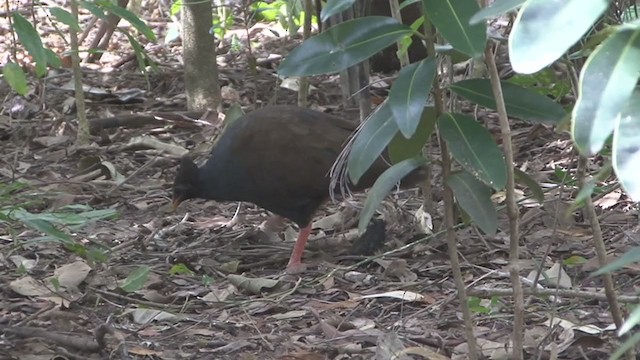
x: 295, y: 265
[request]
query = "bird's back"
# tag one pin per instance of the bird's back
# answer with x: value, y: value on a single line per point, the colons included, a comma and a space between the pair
x: 279, y: 158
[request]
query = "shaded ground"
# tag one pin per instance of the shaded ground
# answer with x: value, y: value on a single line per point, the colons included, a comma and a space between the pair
x: 217, y: 292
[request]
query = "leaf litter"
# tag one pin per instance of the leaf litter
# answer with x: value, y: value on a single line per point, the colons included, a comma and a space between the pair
x: 90, y: 252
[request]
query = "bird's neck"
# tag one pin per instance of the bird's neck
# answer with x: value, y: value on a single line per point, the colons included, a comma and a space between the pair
x: 210, y: 183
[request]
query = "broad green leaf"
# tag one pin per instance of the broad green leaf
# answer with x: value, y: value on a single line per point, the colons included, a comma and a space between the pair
x: 139, y: 52
x: 53, y: 59
x: 99, y: 214
x: 574, y: 260
x: 521, y: 103
x: 474, y: 148
x: 176, y: 7
x: 401, y: 148
x: 594, y: 40
x: 629, y: 257
x: 406, y: 41
x: 626, y: 152
x: 455, y: 55
x: 545, y: 29
x: 627, y: 345
x: 95, y: 255
x: 15, y: 77
x: 591, y: 187
x: 333, y: 7
x: 75, y: 248
x: 405, y: 3
x: 135, y: 281
x: 474, y: 198
x: 383, y: 186
x: 180, y: 269
x: 451, y: 18
x: 523, y: 178
x: 47, y: 228
x: 265, y: 11
x: 96, y: 10
x: 544, y: 82
x: 606, y: 83
x: 371, y: 141
x: 494, y: 10
x: 409, y: 94
x: 66, y: 18
x: 30, y: 39
x: 343, y: 45
x: 65, y: 218
x: 631, y: 322
x: 130, y: 17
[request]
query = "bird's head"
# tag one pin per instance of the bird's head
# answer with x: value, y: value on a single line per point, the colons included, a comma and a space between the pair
x: 186, y: 183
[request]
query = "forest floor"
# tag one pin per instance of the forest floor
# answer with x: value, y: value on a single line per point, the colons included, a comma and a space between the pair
x: 127, y: 278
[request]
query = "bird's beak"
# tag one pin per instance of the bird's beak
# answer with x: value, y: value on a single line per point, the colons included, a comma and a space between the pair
x: 176, y: 203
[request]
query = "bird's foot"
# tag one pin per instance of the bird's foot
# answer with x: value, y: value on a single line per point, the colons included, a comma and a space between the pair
x: 295, y: 268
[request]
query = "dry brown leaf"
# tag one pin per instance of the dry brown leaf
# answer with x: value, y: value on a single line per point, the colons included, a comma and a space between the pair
x: 28, y: 286
x: 71, y: 275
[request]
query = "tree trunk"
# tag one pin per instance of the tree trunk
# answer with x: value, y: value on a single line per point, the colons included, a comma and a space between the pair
x: 199, y: 56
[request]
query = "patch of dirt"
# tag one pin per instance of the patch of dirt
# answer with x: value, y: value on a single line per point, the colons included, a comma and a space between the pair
x: 215, y: 291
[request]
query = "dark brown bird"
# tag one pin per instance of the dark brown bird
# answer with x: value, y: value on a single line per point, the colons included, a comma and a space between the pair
x: 278, y: 158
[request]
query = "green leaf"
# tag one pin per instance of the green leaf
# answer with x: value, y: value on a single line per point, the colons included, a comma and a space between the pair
x: 265, y: 11
x: 180, y: 269
x: 66, y: 18
x: 334, y: 7
x: 574, y: 260
x: 606, y: 84
x: 475, y: 199
x: 520, y: 102
x: 47, y: 228
x: 94, y: 9
x: 629, y: 344
x: 455, y: 55
x: 631, y: 322
x: 405, y: 3
x: 402, y: 148
x: 594, y: 40
x: 451, y: 18
x: 135, y: 281
x: 176, y: 7
x: 629, y: 257
x: 474, y: 305
x: 207, y: 280
x: 544, y: 30
x: 130, y: 17
x: 100, y: 214
x: 16, y: 78
x: 494, y: 10
x: 139, y: 52
x: 370, y: 141
x: 626, y: 149
x: 55, y: 282
x: 53, y: 59
x: 95, y: 255
x: 544, y: 82
x: 523, y: 178
x: 343, y: 45
x: 473, y: 147
x: 383, y: 186
x: 409, y: 94
x: 30, y: 39
x: 76, y: 248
